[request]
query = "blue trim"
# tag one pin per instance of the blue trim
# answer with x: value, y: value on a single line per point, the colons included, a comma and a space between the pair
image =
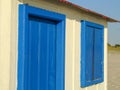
x: 92, y: 24
x: 45, y: 14
x: 60, y: 56
x: 83, y: 49
x: 23, y: 18
x: 24, y: 12
x: 83, y: 53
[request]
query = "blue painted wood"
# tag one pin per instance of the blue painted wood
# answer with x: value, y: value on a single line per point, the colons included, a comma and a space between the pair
x: 52, y: 57
x: 98, y: 54
x: 83, y: 54
x: 41, y: 49
x: 45, y: 13
x: 32, y: 62
x: 22, y: 38
x: 89, y: 52
x: 92, y: 53
x: 42, y: 53
x: 44, y: 57
x: 60, y: 63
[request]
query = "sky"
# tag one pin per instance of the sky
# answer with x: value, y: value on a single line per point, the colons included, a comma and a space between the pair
x: 109, y: 8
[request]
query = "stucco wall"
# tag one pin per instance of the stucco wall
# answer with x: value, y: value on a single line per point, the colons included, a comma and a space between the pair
x: 9, y: 43
x: 5, y: 20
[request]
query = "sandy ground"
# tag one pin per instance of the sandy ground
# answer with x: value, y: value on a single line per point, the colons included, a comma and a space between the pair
x: 114, y: 70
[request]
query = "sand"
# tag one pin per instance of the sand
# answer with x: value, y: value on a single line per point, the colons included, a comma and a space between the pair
x: 114, y: 70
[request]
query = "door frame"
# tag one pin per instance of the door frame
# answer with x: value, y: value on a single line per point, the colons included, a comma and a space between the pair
x: 24, y: 12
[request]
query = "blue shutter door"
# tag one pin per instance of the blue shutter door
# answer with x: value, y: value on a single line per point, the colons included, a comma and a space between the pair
x: 98, y: 54
x: 89, y: 53
x: 41, y: 65
x: 92, y: 54
x: 41, y: 49
x: 52, y: 57
x: 32, y: 62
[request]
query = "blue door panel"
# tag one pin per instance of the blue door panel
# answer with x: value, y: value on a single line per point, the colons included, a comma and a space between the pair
x: 33, y: 55
x: 41, y: 50
x: 43, y: 57
x: 89, y: 53
x: 41, y: 63
x: 52, y: 57
x: 98, y: 54
x: 92, y: 54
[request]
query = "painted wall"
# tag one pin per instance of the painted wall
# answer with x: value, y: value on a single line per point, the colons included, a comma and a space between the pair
x: 9, y: 43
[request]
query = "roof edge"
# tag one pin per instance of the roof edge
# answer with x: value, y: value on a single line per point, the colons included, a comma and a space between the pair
x: 88, y: 11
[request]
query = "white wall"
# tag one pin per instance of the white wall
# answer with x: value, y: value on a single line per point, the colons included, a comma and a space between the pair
x: 9, y: 39
x: 5, y: 19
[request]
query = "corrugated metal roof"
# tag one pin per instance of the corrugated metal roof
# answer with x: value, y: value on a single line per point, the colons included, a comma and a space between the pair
x: 87, y: 10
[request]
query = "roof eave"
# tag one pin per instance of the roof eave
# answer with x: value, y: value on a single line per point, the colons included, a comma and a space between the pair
x: 89, y: 11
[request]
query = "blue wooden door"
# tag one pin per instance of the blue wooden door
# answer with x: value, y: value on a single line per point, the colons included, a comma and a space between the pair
x: 89, y: 55
x: 92, y: 54
x: 41, y: 63
x: 41, y: 49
